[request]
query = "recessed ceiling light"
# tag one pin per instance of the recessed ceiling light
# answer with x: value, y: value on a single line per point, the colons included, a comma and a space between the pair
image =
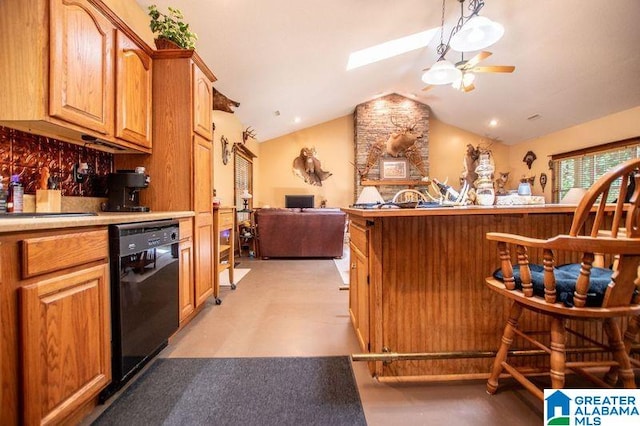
x: 493, y: 123
x: 297, y: 120
x: 390, y: 49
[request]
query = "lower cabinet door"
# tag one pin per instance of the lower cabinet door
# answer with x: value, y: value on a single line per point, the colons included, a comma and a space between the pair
x: 187, y: 297
x: 362, y: 299
x: 66, y: 330
x: 353, y: 289
x: 203, y: 257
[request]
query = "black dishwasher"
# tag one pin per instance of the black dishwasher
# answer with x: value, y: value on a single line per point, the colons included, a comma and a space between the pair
x: 144, y: 295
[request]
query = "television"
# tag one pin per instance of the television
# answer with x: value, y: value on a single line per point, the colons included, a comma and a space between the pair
x: 299, y: 201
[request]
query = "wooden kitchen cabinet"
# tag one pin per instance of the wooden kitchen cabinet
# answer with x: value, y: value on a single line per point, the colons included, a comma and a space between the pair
x: 56, y: 324
x: 67, y: 361
x: 359, y: 281
x: 76, y: 71
x: 3, y: 326
x: 185, y: 249
x: 181, y: 166
x: 81, y: 65
x: 204, y: 258
x: 204, y: 228
x: 133, y: 92
x: 202, y: 103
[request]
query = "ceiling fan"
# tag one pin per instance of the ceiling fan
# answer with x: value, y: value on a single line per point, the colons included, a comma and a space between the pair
x: 468, y: 68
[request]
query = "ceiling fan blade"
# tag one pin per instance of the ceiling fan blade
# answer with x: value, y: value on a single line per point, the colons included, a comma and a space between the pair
x: 427, y: 87
x: 476, y: 59
x: 468, y: 88
x: 495, y: 68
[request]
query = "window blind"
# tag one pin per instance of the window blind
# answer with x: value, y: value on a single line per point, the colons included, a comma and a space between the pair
x: 243, y: 179
x: 581, y: 169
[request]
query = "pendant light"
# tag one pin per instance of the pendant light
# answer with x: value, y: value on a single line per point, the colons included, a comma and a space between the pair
x: 465, y: 81
x: 471, y: 33
x: 476, y: 34
x: 443, y: 71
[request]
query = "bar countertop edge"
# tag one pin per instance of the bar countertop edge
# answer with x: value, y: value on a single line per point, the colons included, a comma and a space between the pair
x: 463, y: 210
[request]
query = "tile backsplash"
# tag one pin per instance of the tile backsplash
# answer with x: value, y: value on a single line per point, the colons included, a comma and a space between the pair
x: 26, y: 154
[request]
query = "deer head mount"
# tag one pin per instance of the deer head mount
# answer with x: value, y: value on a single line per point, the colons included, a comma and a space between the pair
x: 402, y: 141
x: 248, y: 133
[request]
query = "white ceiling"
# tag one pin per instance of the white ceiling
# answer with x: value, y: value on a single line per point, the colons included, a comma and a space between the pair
x: 576, y: 60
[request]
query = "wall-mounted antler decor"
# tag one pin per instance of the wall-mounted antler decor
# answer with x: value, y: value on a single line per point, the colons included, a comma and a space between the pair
x: 248, y: 133
x: 307, y: 167
x: 222, y: 103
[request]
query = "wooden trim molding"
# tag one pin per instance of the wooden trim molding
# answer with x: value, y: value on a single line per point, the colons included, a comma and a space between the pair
x: 395, y: 182
x: 244, y: 151
x: 185, y: 53
x: 598, y: 148
x: 121, y: 25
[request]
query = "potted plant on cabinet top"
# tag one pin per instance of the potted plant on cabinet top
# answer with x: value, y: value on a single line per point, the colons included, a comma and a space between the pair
x: 172, y: 32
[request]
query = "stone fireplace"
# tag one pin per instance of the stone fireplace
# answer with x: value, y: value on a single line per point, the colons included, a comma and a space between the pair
x: 372, y: 123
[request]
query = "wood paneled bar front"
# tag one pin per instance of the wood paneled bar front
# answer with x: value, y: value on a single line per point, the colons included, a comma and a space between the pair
x: 418, y: 286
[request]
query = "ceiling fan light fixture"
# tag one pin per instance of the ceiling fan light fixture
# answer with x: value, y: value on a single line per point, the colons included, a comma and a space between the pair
x: 466, y: 80
x: 442, y: 72
x: 477, y: 33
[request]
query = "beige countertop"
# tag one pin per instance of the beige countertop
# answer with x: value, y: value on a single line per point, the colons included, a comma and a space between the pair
x: 8, y: 224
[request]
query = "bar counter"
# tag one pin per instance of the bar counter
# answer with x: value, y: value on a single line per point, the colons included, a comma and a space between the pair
x: 417, y: 285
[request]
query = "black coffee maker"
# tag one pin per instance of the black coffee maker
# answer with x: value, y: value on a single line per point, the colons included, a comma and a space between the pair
x: 124, y: 190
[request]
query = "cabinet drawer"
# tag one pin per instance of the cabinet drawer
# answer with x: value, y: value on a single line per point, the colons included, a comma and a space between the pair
x: 186, y: 229
x: 226, y: 220
x: 48, y: 254
x: 359, y: 236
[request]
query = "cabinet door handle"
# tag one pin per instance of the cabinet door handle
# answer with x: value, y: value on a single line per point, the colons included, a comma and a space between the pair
x: 353, y: 266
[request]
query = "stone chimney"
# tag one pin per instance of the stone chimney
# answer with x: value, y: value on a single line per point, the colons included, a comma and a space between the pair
x: 372, y: 123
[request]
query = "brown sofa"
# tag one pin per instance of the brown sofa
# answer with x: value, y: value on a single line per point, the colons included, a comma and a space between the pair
x: 300, y: 232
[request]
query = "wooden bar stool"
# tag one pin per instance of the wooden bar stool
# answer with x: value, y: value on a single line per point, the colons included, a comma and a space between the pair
x: 583, y: 291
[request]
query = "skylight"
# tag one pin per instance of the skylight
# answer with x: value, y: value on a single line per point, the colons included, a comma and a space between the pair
x: 390, y: 49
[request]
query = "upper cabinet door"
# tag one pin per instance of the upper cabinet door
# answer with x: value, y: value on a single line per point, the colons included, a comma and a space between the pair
x: 81, y: 65
x: 202, y: 103
x: 133, y: 92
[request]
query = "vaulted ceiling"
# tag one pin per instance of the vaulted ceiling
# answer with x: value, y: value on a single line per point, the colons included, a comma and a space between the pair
x: 576, y: 60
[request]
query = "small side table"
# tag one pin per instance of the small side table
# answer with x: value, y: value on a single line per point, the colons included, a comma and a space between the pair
x: 223, y: 222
